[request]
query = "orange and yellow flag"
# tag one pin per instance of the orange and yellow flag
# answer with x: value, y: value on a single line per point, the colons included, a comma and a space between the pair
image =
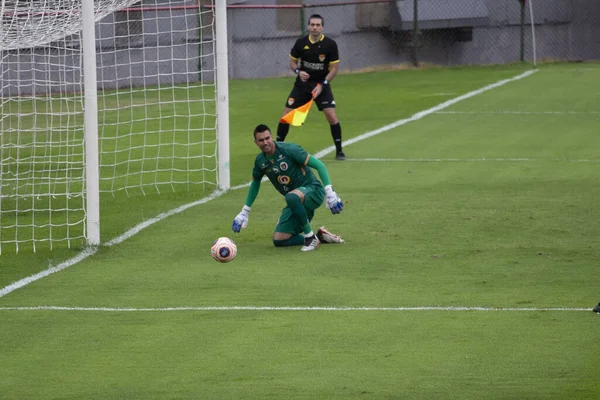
x: 297, y: 116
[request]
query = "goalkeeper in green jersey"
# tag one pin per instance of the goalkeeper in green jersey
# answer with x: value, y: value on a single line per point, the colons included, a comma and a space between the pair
x: 288, y: 167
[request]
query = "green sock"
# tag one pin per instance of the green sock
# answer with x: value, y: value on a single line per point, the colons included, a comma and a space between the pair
x: 293, y: 241
x: 298, y: 211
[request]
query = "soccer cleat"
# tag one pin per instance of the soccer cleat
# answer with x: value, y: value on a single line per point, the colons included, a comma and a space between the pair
x: 597, y: 309
x: 310, y: 243
x: 325, y: 236
x: 340, y: 156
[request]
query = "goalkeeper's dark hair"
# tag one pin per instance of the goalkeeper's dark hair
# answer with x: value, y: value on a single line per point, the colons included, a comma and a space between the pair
x: 317, y: 16
x: 260, y: 129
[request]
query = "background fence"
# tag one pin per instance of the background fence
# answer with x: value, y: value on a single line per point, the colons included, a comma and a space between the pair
x: 445, y: 32
x: 370, y: 34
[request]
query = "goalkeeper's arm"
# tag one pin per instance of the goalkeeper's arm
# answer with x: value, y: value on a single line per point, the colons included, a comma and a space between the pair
x: 252, y: 192
x: 321, y: 169
x: 241, y: 220
x: 332, y: 201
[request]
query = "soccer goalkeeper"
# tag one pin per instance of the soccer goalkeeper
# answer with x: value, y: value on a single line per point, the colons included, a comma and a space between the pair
x: 289, y: 168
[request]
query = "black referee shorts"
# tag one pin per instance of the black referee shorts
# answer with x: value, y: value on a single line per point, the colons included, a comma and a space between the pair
x: 302, y: 93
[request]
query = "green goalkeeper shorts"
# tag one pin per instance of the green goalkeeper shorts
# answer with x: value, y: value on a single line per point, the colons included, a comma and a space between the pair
x: 313, y: 198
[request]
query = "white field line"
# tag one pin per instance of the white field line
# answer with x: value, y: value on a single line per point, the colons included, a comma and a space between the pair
x: 32, y: 278
x: 438, y: 94
x: 273, y: 308
x: 89, y: 251
x: 425, y: 113
x: 567, y: 71
x: 508, y: 112
x: 483, y: 159
x: 136, y: 229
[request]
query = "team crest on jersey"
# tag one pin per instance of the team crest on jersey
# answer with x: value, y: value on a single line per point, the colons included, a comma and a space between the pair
x: 283, y: 166
x: 321, y: 57
x: 306, y: 47
x: 284, y: 179
x: 291, y: 101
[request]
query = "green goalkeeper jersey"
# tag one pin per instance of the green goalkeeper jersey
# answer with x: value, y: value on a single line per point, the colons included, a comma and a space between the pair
x: 287, y: 169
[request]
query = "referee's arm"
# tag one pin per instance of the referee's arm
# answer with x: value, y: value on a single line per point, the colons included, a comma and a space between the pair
x: 294, y: 67
x: 333, y: 70
x: 294, y: 64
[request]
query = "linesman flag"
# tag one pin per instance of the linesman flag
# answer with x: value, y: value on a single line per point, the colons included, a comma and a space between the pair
x: 297, y: 116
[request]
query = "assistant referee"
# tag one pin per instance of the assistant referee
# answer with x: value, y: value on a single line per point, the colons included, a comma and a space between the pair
x: 315, y: 60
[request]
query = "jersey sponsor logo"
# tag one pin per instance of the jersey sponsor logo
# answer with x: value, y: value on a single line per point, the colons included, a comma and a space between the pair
x: 314, y: 66
x: 284, y: 179
x: 275, y: 170
x: 306, y: 47
x: 321, y: 57
x: 291, y: 101
x: 283, y: 166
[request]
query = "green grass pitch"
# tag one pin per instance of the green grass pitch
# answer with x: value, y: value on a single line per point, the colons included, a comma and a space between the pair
x: 469, y: 270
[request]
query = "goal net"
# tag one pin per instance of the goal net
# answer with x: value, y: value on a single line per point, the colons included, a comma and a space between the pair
x: 156, y: 109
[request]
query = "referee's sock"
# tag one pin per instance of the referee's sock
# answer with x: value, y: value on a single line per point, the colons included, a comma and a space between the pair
x: 282, y: 131
x: 336, y: 134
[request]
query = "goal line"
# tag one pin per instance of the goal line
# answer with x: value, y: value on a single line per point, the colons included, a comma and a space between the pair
x: 482, y: 159
x: 287, y: 308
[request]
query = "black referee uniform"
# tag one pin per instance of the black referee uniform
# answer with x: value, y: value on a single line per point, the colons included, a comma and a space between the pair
x: 315, y: 58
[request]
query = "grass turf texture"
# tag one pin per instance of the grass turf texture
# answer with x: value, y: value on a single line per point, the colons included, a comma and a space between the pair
x: 515, y: 230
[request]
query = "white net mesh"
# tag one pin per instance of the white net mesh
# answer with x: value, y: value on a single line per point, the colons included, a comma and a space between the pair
x: 31, y: 23
x: 156, y: 72
x: 156, y: 109
x: 41, y: 148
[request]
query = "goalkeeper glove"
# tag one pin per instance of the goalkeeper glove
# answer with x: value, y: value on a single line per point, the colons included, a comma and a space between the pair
x: 241, y: 221
x: 333, y: 202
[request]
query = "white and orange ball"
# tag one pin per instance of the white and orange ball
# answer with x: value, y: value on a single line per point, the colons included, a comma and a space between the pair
x: 223, y: 250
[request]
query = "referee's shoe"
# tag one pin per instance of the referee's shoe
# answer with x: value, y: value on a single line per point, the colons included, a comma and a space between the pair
x: 596, y: 309
x: 340, y: 156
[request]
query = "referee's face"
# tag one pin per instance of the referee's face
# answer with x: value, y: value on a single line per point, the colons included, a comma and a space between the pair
x: 264, y: 140
x: 315, y: 27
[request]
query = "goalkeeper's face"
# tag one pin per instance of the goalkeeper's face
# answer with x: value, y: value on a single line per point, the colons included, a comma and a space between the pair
x: 264, y: 140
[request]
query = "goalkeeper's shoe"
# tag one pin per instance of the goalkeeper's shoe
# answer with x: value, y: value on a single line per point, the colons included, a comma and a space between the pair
x: 327, y: 237
x: 310, y: 243
x: 597, y: 309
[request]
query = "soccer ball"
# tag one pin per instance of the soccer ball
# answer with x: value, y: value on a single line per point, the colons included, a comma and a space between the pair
x: 223, y: 250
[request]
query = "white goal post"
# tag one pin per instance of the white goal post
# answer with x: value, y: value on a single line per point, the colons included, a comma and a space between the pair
x: 106, y: 98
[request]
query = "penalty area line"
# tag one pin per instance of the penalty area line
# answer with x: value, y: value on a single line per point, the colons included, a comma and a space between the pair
x: 484, y: 159
x: 423, y: 114
x: 508, y: 112
x: 275, y: 308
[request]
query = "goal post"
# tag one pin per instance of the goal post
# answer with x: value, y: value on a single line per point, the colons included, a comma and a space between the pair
x: 222, y: 95
x: 92, y: 171
x: 102, y: 99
